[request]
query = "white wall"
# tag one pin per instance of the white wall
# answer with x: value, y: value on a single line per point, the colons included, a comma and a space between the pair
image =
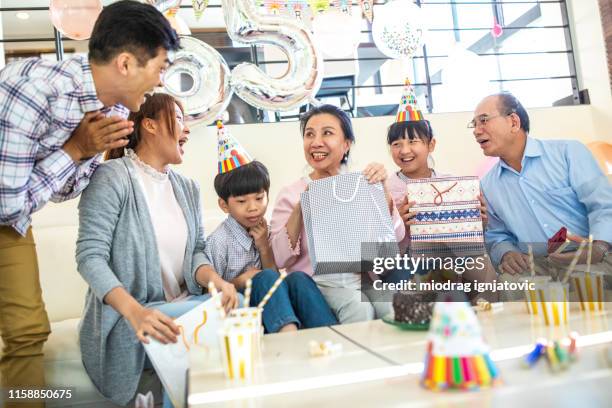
x: 279, y: 147
x: 591, y: 62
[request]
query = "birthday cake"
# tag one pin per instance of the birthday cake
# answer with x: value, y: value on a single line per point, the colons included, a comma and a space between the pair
x: 413, y: 307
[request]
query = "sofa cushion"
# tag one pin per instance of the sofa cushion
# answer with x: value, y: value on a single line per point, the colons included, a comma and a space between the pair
x: 64, y: 369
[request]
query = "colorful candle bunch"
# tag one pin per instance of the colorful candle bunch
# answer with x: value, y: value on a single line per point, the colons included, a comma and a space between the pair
x: 557, y: 355
x: 459, y: 372
x: 457, y: 356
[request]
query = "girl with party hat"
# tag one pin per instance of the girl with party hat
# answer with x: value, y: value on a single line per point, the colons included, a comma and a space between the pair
x: 411, y: 142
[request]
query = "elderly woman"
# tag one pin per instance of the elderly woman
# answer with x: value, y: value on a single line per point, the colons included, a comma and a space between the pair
x: 140, y: 249
x: 327, y: 136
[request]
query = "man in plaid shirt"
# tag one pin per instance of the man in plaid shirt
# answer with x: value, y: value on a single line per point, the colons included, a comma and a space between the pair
x: 55, y: 120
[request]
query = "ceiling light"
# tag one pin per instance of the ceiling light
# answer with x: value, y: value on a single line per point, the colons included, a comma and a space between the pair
x: 22, y: 15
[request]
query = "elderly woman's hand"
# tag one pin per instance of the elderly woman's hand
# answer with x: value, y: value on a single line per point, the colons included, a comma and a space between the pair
x: 375, y: 172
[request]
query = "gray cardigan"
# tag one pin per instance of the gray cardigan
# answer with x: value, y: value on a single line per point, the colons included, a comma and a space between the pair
x: 116, y: 247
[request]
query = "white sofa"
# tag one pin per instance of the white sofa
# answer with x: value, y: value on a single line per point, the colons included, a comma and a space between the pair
x: 64, y: 294
x: 278, y: 146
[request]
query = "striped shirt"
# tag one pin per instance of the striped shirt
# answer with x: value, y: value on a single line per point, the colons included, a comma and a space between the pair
x: 231, y: 250
x: 41, y: 104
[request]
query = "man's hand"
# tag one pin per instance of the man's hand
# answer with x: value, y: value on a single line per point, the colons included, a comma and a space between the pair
x: 96, y: 134
x: 514, y: 263
x: 483, y: 211
x: 597, y: 254
x: 260, y: 234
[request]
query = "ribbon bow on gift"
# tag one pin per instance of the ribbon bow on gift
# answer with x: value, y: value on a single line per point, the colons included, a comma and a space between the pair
x: 439, y: 195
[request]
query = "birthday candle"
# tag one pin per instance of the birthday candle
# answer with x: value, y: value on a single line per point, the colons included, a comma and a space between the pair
x: 573, y: 348
x: 484, y: 376
x: 439, y: 375
x: 468, y: 372
x: 449, y: 372
x: 430, y: 365
x: 534, y: 355
x: 492, y: 368
x: 457, y: 374
x: 552, y: 358
x: 561, y: 355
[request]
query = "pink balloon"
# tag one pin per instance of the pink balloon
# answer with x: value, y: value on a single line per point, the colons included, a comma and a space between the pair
x: 484, y: 166
x: 75, y: 18
x: 497, y: 29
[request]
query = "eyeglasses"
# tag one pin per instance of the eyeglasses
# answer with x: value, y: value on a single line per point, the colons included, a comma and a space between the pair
x: 481, y: 121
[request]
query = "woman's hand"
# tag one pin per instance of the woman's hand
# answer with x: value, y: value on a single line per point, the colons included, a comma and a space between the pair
x: 375, y: 172
x: 406, y: 213
x: 483, y: 211
x: 229, y: 297
x: 152, y: 322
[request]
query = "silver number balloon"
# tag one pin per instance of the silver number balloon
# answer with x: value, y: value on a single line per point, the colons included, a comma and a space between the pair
x: 200, y: 78
x: 305, y: 63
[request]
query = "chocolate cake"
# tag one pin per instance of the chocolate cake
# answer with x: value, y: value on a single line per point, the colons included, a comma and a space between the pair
x: 413, y: 307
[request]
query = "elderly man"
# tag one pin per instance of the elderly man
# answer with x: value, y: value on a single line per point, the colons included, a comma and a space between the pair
x: 537, y: 187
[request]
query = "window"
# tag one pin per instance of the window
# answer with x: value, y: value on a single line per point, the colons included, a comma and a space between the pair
x: 532, y: 56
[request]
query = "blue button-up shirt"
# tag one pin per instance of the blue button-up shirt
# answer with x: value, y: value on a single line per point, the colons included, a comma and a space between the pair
x: 41, y: 103
x: 559, y: 184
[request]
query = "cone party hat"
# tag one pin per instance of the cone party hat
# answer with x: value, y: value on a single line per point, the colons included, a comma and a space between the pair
x: 408, y: 110
x: 231, y: 153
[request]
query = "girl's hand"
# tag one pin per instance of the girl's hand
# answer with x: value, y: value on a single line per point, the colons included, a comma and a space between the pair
x: 406, y: 213
x: 375, y: 172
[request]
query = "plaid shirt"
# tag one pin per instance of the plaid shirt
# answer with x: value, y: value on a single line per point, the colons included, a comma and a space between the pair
x: 231, y: 250
x: 41, y: 103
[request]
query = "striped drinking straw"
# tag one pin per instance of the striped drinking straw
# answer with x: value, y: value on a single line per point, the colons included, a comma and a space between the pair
x: 272, y: 290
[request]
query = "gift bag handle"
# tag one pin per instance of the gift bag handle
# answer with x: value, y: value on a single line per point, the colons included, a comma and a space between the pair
x: 378, y: 209
x: 354, y: 192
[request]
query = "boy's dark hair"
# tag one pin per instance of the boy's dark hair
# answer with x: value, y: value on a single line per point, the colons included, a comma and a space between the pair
x: 508, y: 103
x: 411, y: 130
x: 345, y: 122
x: 248, y: 179
x: 134, y: 27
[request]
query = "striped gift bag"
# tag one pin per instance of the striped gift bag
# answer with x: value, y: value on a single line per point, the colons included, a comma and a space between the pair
x: 448, y: 221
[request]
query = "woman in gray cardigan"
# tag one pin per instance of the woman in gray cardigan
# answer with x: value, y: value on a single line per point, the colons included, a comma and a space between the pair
x: 140, y: 249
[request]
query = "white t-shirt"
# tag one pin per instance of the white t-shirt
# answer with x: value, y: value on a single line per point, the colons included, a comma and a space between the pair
x: 168, y: 223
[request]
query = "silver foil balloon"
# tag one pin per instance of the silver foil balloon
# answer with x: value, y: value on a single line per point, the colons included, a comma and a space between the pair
x: 200, y: 78
x: 164, y: 5
x: 305, y: 63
